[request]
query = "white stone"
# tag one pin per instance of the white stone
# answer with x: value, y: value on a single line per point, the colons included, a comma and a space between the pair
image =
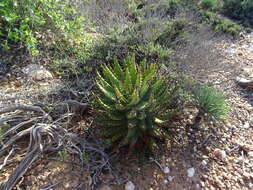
x: 170, y: 178
x: 246, y: 125
x: 165, y: 182
x: 250, y: 154
x: 37, y: 72
x: 204, y: 163
x: 166, y: 170
x: 223, y: 154
x: 129, y: 186
x: 220, y: 153
x: 190, y: 172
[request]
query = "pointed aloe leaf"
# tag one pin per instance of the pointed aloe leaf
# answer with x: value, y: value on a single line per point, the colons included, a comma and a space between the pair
x: 107, y: 93
x: 110, y: 76
x: 119, y: 95
x: 159, y: 121
x: 128, y: 62
x: 128, y: 82
x: 120, y: 107
x: 133, y: 70
x: 143, y: 106
x: 144, y: 89
x: 135, y: 98
x: 143, y: 65
x: 144, y: 102
x: 106, y: 106
x: 103, y: 82
x: 117, y: 69
x: 150, y: 74
x: 139, y: 80
x: 155, y: 132
x: 158, y: 84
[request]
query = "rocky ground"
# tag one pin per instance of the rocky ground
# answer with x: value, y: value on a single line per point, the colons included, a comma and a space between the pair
x: 221, y: 158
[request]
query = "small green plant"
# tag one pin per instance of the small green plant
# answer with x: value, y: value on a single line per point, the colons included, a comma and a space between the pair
x: 85, y: 157
x: 173, y: 33
x: 211, y: 103
x: 153, y: 50
x: 63, y: 154
x: 221, y: 24
x: 133, y: 103
x: 209, y: 4
x: 229, y: 27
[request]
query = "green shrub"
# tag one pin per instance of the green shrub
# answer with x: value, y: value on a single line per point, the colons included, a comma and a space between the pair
x: 221, y: 24
x: 140, y: 39
x: 162, y: 9
x: 240, y: 10
x: 229, y: 27
x: 152, y: 50
x: 174, y: 32
x: 209, y: 4
x: 211, y: 103
x: 28, y: 23
x: 133, y: 103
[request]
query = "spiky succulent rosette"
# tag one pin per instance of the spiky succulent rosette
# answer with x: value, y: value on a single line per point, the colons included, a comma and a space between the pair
x: 132, y: 102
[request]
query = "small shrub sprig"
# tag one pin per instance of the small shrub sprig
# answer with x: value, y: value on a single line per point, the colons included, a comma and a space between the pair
x: 133, y: 103
x: 211, y: 103
x: 209, y: 4
x: 240, y: 10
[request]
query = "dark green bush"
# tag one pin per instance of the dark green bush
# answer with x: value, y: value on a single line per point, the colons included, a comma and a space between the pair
x: 174, y: 31
x: 221, y: 24
x: 209, y: 4
x: 30, y: 23
x: 239, y: 9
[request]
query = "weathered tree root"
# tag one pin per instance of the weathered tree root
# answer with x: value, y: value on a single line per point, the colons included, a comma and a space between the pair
x: 48, y: 135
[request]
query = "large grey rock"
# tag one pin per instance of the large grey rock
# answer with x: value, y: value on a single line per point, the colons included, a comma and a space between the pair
x: 37, y: 72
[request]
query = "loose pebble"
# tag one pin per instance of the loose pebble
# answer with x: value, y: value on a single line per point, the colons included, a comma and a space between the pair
x: 220, y: 153
x: 170, y: 178
x: 204, y: 163
x: 166, y: 170
x: 190, y: 172
x: 250, y: 154
x: 129, y: 186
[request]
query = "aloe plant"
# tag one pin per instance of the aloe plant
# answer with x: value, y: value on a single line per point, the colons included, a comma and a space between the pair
x: 132, y: 102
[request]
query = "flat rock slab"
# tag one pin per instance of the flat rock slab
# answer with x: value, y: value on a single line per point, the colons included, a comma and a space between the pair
x: 37, y: 72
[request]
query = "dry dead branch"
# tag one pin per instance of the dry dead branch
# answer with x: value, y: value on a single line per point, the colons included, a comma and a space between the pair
x: 47, y: 135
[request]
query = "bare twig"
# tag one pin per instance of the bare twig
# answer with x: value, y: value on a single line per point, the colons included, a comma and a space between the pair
x: 6, y: 159
x: 22, y: 107
x: 50, y: 186
x: 15, y: 128
x: 14, y: 139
